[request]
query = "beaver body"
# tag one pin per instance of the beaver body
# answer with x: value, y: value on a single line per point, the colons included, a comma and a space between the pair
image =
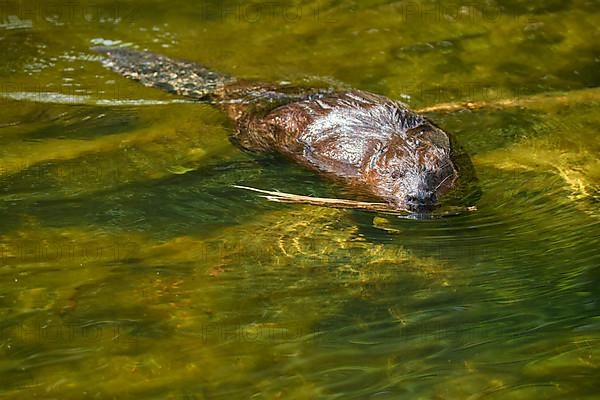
x: 372, y: 143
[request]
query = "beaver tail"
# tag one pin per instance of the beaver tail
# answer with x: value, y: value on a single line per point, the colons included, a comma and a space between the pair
x: 174, y: 76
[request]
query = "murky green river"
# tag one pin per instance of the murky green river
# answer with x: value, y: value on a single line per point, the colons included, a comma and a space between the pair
x: 131, y: 268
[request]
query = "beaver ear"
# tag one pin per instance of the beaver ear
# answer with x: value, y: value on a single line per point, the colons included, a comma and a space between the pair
x: 432, y: 134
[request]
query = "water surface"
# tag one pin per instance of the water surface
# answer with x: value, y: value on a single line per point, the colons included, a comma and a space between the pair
x: 132, y: 268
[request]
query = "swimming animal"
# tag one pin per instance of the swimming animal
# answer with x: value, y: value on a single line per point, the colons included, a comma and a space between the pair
x: 371, y: 143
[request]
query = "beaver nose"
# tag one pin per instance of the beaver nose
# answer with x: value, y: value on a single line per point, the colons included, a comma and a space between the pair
x: 421, y: 202
x: 426, y: 198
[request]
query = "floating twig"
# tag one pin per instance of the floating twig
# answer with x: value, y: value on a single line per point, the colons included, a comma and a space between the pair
x: 281, y: 197
x: 573, y: 97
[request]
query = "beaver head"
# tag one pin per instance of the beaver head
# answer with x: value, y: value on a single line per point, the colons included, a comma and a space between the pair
x: 413, y: 169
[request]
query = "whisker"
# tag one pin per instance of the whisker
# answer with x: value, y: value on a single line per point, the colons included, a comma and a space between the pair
x: 442, y: 182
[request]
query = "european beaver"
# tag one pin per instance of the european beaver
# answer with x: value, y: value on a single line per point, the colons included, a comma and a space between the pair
x: 375, y: 144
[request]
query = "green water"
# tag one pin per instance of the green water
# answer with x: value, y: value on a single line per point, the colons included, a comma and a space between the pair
x: 132, y: 269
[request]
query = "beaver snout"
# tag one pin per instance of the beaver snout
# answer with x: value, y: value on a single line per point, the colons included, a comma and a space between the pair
x: 423, y: 202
